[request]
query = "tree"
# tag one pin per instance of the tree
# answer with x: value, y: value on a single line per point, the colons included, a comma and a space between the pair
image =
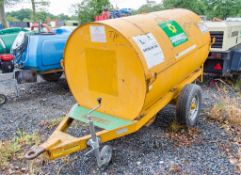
x: 42, y: 16
x: 2, y: 11
x: 88, y: 9
x: 146, y: 8
x: 223, y: 9
x: 21, y: 14
x: 198, y: 6
x: 2, y: 14
x: 12, y: 19
x: 26, y: 15
x: 38, y: 4
x: 212, y: 8
x: 63, y: 17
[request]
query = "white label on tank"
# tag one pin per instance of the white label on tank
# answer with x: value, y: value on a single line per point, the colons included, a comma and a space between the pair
x: 186, y: 51
x: 150, y: 48
x: 97, y: 34
x: 121, y: 131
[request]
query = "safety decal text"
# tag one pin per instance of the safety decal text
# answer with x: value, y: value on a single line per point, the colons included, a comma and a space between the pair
x: 150, y: 48
x: 174, y: 32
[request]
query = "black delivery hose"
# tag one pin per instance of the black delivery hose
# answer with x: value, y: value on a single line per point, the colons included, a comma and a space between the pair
x: 3, y: 99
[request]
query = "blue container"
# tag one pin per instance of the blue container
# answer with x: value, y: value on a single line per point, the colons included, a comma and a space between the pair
x: 44, y: 52
x: 41, y: 52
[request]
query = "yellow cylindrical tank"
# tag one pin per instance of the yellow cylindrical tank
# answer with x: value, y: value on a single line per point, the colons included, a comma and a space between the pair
x: 134, y: 61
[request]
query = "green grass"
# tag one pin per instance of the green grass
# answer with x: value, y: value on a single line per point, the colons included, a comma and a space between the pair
x: 14, y: 149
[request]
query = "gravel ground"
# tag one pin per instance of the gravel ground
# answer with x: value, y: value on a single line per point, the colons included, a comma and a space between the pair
x: 153, y: 150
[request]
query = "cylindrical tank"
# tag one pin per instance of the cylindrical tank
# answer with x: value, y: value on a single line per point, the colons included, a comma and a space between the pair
x: 7, y: 37
x: 6, y: 42
x: 12, y: 30
x: 132, y: 62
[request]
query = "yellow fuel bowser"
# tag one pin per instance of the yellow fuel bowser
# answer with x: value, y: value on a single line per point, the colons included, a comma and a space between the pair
x: 122, y: 72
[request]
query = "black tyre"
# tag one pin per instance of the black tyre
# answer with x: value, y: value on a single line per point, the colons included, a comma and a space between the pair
x: 189, y: 104
x: 3, y: 99
x: 52, y: 77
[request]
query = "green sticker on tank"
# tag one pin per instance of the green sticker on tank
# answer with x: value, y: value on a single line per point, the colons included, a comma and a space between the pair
x: 174, y: 32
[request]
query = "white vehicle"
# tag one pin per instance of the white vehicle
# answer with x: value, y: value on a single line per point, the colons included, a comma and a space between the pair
x: 225, y: 56
x: 235, y: 19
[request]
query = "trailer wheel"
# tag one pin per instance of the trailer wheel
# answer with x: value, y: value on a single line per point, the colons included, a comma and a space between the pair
x: 188, y: 105
x: 52, y: 77
x: 3, y: 99
x: 105, y: 156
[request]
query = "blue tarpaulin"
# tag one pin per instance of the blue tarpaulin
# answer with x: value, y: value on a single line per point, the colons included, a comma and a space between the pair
x: 17, y: 24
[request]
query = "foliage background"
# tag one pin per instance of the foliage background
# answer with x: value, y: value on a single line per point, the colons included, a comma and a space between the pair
x: 87, y: 9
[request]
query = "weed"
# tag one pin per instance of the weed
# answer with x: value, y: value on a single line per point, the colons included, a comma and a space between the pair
x: 185, y: 137
x: 228, y: 105
x: 175, y: 126
x: 13, y: 149
x: 175, y: 169
x: 8, y: 151
x: 181, y: 135
x: 226, y: 109
x: 237, y: 85
x: 24, y: 139
x: 52, y: 123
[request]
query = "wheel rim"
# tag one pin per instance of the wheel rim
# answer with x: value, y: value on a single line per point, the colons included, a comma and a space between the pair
x: 2, y: 99
x: 194, y: 108
x: 106, y: 155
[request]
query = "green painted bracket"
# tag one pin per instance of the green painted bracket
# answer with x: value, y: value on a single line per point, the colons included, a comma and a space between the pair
x: 100, y: 120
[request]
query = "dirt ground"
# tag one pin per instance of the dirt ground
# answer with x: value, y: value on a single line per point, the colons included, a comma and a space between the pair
x: 213, y: 147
